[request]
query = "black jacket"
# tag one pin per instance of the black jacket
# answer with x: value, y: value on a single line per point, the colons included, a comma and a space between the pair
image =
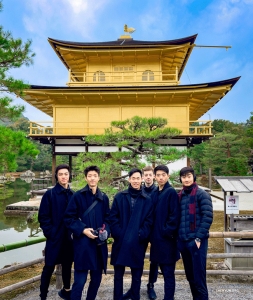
x: 85, y: 249
x: 51, y: 212
x: 204, y: 216
x: 130, y: 229
x: 148, y: 190
x: 164, y: 230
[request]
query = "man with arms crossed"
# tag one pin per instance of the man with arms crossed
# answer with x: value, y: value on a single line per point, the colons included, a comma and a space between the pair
x: 195, y: 221
x: 87, y: 211
x: 59, y: 247
x: 163, y: 238
x: 130, y: 223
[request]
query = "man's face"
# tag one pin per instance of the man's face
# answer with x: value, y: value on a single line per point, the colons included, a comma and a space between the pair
x: 63, y: 176
x: 135, y: 180
x: 161, y: 177
x: 148, y: 177
x: 187, y: 179
x: 92, y: 178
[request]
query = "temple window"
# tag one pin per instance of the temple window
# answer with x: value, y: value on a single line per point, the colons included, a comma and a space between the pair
x: 148, y: 76
x: 99, y: 76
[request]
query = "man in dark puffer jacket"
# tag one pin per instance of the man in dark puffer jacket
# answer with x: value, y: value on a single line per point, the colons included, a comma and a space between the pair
x: 195, y: 221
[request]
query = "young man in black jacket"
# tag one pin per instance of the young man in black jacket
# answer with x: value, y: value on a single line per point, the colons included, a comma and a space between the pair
x: 59, y: 247
x: 130, y: 223
x: 87, y: 212
x: 163, y: 238
x: 195, y: 221
x: 148, y: 187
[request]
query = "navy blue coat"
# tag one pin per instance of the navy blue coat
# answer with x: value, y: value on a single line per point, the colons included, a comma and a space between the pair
x: 204, y: 216
x: 130, y: 229
x: 51, y: 212
x: 164, y: 230
x: 148, y: 190
x: 85, y: 249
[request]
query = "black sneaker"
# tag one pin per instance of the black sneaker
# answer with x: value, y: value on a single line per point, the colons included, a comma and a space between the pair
x: 151, y: 291
x: 66, y: 295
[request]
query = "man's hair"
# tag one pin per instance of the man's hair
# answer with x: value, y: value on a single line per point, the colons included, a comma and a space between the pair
x: 161, y: 168
x: 134, y: 170
x: 147, y: 168
x: 186, y: 170
x: 91, y: 168
x: 60, y: 167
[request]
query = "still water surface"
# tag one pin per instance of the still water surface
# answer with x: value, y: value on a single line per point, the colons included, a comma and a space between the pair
x: 16, y: 228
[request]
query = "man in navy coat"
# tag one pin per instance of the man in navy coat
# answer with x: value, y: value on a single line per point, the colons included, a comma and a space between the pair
x: 59, y: 247
x: 130, y: 223
x: 196, y: 217
x: 90, y: 254
x: 148, y: 187
x: 163, y: 238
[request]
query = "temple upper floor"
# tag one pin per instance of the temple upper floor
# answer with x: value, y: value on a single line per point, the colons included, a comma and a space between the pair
x: 124, y: 61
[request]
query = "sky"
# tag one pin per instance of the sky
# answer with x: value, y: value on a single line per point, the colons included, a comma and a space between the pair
x: 217, y: 23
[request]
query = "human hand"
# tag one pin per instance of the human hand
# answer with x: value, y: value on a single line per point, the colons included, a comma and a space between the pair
x: 88, y: 233
x: 198, y: 244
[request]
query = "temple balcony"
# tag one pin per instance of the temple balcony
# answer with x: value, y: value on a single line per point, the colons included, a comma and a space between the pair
x: 123, y: 77
x: 61, y: 129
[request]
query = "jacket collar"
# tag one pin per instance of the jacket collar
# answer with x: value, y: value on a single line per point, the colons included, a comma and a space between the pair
x: 59, y: 189
x: 99, y: 194
x: 144, y: 195
x: 166, y: 186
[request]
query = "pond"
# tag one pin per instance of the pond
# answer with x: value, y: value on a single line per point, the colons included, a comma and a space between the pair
x: 16, y: 228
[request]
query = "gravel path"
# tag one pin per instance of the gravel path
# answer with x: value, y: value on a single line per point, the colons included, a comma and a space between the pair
x: 218, y: 289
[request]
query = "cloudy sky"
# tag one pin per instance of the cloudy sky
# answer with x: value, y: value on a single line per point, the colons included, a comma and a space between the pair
x: 217, y: 23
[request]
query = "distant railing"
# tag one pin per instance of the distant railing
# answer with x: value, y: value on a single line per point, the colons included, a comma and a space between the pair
x: 241, y: 234
x: 195, y: 128
x: 121, y: 76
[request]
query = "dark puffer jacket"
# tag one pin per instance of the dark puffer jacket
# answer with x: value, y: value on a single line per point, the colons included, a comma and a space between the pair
x: 204, y: 216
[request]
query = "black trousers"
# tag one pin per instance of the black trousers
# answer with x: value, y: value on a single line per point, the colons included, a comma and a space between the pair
x: 153, y: 272
x: 194, y: 260
x: 168, y: 271
x: 47, y: 274
x: 118, y: 282
x: 80, y: 278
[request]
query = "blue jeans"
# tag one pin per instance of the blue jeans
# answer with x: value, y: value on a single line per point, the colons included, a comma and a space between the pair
x: 168, y: 271
x: 194, y: 260
x: 118, y: 282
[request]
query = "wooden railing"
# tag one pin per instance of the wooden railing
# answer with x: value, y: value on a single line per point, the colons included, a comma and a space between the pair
x: 240, y: 234
x: 195, y: 128
x: 123, y: 77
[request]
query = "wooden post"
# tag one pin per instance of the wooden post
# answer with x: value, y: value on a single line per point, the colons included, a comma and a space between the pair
x: 188, y: 162
x: 70, y: 167
x: 53, y: 168
x: 210, y: 178
x: 225, y: 212
x: 58, y: 273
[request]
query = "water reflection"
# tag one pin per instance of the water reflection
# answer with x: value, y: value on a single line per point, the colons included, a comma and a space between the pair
x: 12, y: 193
x: 17, y: 228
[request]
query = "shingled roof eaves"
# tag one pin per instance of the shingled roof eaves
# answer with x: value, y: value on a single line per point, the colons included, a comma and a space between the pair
x: 127, y: 43
x: 231, y: 81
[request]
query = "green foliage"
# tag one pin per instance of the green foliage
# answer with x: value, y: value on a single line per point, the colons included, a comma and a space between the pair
x: 137, y: 138
x: 8, y: 111
x: 196, y: 155
x: 236, y: 166
x: 12, y: 145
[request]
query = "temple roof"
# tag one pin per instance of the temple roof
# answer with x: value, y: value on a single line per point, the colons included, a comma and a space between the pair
x: 173, y: 53
x: 200, y: 97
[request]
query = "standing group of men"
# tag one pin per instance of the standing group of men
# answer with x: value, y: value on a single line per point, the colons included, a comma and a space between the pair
x: 77, y: 225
